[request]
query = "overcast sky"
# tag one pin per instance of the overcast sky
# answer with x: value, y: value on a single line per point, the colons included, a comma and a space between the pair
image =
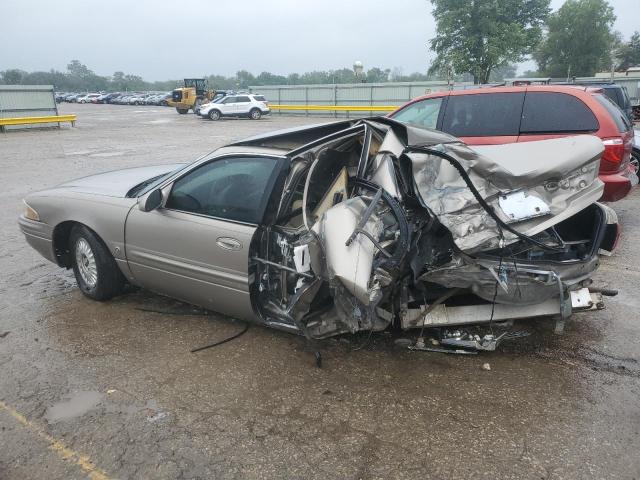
x: 162, y: 40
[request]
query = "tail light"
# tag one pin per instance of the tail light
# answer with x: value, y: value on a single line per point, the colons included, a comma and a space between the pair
x: 617, y: 153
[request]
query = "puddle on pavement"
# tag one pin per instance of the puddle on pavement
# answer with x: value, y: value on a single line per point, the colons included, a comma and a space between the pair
x: 73, y: 406
x: 79, y: 403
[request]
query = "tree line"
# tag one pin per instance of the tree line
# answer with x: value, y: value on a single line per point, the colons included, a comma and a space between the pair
x: 476, y: 40
x: 578, y: 39
x: 79, y: 77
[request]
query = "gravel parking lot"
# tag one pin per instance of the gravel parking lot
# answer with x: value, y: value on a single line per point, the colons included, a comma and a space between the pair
x: 111, y: 390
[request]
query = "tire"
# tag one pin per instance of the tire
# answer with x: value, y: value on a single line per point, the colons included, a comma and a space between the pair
x: 95, y: 269
x: 214, y: 114
x: 182, y: 111
x: 635, y: 160
x: 255, y: 114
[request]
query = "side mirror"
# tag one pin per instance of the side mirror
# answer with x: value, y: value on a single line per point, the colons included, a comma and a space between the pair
x: 151, y: 200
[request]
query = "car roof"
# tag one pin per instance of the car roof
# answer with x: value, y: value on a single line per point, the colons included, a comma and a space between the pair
x: 584, y: 93
x: 523, y: 88
x: 250, y: 149
x: 295, y: 136
x: 292, y: 140
x: 575, y: 90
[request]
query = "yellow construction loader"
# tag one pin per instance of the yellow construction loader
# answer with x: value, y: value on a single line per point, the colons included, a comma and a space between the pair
x: 191, y: 96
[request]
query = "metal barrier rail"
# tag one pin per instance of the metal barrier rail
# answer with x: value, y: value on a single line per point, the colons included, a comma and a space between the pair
x: 336, y: 108
x: 35, y: 120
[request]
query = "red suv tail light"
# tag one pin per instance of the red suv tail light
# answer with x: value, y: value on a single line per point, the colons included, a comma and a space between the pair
x: 617, y: 153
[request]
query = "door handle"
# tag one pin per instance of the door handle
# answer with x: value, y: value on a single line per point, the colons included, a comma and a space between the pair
x: 228, y: 243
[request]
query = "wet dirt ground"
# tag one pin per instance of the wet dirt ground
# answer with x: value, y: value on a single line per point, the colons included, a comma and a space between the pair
x: 111, y: 390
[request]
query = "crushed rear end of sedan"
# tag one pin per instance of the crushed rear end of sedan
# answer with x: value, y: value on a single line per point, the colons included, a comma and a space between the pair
x: 379, y: 224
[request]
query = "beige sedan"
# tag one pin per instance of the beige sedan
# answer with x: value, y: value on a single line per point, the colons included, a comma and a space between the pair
x: 343, y: 227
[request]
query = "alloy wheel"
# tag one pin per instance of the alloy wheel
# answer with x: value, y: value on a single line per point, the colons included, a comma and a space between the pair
x: 86, y: 262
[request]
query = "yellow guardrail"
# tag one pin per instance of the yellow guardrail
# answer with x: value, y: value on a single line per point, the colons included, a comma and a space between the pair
x: 336, y: 108
x: 34, y: 120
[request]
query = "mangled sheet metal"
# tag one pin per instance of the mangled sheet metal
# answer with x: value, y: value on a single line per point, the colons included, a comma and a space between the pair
x: 351, y: 263
x: 551, y: 182
x: 400, y: 222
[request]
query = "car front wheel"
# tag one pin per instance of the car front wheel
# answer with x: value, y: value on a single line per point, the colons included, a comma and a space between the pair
x: 214, y: 114
x: 94, y: 267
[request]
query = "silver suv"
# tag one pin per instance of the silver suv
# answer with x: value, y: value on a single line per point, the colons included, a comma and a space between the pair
x: 236, y: 105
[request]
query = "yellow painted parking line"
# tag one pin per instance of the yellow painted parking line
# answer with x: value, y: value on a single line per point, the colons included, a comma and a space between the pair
x: 57, y: 446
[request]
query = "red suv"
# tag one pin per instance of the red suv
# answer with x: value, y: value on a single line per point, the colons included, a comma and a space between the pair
x: 486, y: 116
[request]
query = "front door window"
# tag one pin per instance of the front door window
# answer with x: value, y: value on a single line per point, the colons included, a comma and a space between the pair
x: 235, y: 188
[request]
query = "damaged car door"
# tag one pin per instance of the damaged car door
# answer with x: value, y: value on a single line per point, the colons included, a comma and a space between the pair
x: 195, y: 246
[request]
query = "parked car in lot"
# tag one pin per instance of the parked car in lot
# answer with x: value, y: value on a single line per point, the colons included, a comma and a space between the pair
x: 137, y: 99
x: 164, y: 99
x: 218, y: 96
x: 108, y: 97
x: 499, y: 115
x: 343, y: 227
x: 88, y: 98
x: 238, y: 105
x: 126, y: 99
x: 122, y: 99
x: 158, y: 99
x: 73, y: 98
x: 151, y: 99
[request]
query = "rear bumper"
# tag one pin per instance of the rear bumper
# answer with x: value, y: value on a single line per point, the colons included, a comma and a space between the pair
x: 618, y: 185
x: 39, y: 236
x: 580, y: 299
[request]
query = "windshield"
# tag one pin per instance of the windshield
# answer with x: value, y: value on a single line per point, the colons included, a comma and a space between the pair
x: 423, y: 114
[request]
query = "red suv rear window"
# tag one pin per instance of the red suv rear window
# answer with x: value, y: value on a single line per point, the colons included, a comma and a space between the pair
x: 551, y: 112
x: 483, y: 115
x: 621, y: 120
